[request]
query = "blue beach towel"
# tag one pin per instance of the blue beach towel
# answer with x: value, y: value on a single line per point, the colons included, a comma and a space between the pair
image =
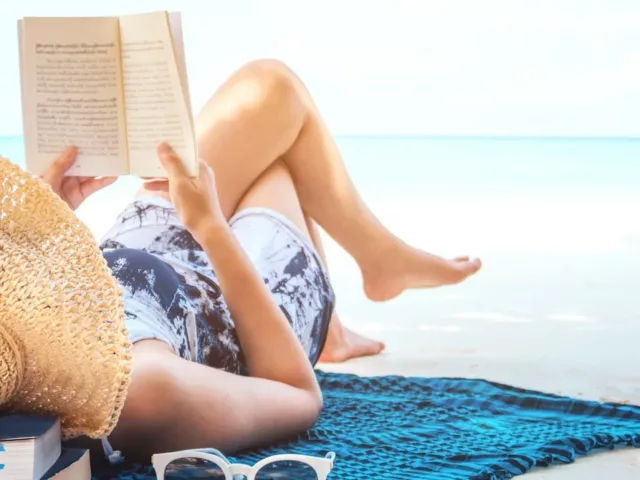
x: 393, y: 427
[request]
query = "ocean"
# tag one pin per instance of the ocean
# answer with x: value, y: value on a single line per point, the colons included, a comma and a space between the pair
x: 476, y: 163
x: 555, y: 221
x: 409, y: 178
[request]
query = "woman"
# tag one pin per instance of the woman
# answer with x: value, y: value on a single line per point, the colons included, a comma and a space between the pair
x: 225, y: 359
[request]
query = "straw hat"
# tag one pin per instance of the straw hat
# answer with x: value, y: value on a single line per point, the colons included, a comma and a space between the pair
x: 64, y: 348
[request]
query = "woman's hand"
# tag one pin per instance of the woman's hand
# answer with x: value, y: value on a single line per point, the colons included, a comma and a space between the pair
x: 73, y: 190
x: 195, y: 199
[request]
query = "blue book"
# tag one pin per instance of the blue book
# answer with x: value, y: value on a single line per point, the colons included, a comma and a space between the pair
x: 29, y: 446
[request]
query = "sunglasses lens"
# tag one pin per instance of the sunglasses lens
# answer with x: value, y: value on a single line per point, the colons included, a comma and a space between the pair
x: 288, y: 469
x: 192, y: 468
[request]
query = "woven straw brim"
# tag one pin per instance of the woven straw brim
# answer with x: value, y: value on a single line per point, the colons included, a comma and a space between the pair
x: 64, y: 347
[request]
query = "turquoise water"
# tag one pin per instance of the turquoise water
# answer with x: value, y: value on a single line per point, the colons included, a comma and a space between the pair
x: 420, y: 163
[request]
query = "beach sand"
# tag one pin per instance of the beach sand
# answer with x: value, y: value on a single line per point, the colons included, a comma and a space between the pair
x: 556, y: 307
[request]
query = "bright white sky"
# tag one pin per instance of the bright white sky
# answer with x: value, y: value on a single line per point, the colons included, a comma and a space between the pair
x: 411, y: 67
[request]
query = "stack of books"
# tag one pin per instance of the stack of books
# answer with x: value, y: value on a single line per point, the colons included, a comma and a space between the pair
x: 31, y: 449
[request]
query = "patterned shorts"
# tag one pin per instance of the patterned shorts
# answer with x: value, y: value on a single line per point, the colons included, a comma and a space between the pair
x: 171, y: 292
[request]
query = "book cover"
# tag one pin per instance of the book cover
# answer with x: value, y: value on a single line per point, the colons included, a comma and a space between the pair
x: 24, y: 427
x: 29, y: 445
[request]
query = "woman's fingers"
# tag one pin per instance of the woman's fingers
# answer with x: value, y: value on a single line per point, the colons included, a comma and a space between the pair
x: 171, y: 162
x: 205, y: 172
x: 56, y: 172
x: 91, y: 185
x: 157, y: 185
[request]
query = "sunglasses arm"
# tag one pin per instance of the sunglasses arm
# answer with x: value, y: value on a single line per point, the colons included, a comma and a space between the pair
x: 331, y: 456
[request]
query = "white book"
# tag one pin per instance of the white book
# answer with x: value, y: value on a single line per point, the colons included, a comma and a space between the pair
x: 113, y: 87
x: 73, y: 464
x: 29, y: 446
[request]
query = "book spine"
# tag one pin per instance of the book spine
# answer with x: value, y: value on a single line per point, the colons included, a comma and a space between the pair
x: 124, y: 100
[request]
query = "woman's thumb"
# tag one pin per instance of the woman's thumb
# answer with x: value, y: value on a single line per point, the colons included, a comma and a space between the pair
x: 205, y: 172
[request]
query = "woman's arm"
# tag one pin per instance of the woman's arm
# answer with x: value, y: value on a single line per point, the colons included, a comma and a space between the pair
x: 269, y: 344
x: 284, y: 396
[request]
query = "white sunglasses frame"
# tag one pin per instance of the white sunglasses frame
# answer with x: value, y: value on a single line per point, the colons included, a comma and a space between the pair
x: 321, y: 465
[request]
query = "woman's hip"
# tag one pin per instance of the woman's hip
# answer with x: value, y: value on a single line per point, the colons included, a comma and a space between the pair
x: 202, y: 329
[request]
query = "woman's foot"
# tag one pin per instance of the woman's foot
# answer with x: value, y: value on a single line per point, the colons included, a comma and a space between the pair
x: 343, y: 344
x: 405, y: 267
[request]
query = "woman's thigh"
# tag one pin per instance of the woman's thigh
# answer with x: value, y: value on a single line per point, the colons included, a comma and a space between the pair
x: 274, y: 190
x: 272, y: 229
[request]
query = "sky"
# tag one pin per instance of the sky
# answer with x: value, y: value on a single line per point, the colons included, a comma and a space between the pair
x: 405, y: 67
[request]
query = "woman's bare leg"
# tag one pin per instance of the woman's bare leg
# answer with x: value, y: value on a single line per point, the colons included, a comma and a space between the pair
x: 275, y: 190
x: 264, y: 113
x: 342, y: 343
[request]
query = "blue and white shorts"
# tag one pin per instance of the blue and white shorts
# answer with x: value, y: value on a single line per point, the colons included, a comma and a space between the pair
x: 171, y: 292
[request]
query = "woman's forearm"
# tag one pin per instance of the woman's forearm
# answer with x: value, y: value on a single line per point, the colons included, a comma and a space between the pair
x: 269, y: 344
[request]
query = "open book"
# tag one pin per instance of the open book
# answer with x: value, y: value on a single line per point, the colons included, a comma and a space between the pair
x: 114, y: 87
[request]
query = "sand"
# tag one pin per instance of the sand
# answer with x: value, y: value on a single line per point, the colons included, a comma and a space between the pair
x: 556, y: 307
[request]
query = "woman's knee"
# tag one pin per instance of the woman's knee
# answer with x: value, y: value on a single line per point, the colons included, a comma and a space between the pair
x: 274, y: 71
x: 273, y: 84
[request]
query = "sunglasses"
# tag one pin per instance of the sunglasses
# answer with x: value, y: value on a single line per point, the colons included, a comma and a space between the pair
x: 213, y: 465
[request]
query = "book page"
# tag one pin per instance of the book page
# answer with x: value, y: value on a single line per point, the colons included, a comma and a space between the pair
x: 175, y: 23
x: 72, y: 94
x: 156, y: 107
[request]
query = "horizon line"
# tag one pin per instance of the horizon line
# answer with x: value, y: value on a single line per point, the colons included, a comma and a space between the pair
x: 490, y: 137
x: 459, y: 137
